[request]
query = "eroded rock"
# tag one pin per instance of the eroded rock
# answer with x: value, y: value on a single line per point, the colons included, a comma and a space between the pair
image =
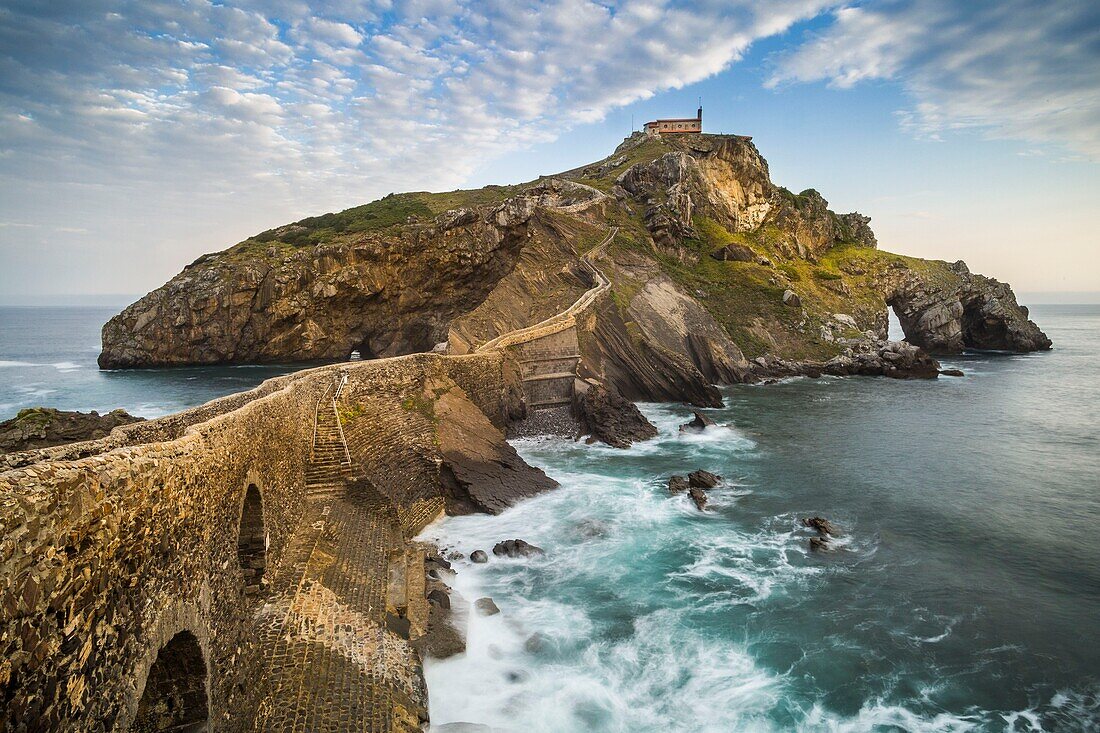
x: 607, y: 416
x: 704, y: 479
x: 698, y: 423
x: 42, y: 427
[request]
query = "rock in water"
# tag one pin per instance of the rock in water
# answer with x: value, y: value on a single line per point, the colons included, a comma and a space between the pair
x: 517, y: 548
x: 703, y: 479
x: 699, y: 497
x: 678, y: 485
x: 952, y: 372
x: 698, y: 423
x: 607, y: 416
x: 42, y: 427
x: 822, y: 525
x: 479, y: 556
x: 819, y: 544
x: 486, y: 607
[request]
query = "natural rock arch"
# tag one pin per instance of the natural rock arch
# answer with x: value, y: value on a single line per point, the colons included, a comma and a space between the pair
x: 175, y: 696
x: 252, y: 539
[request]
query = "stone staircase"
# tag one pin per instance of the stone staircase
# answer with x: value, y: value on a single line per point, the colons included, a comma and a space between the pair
x: 328, y: 470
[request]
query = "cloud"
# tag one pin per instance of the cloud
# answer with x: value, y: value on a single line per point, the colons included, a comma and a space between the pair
x: 1012, y: 69
x: 168, y: 127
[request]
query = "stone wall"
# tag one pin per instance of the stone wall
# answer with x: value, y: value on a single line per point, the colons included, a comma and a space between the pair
x: 105, y: 558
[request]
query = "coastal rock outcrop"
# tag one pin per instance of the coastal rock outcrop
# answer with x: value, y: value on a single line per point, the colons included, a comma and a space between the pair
x: 698, y: 423
x: 609, y: 417
x: 966, y: 311
x: 42, y: 427
x: 711, y: 267
x: 324, y: 287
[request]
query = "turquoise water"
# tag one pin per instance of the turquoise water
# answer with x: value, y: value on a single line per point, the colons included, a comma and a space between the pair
x: 964, y: 595
x: 48, y: 358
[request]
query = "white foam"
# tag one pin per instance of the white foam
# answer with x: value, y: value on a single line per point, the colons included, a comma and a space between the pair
x: 8, y: 364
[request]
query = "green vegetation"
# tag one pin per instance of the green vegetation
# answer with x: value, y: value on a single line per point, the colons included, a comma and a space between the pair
x: 421, y: 405
x: 348, y: 413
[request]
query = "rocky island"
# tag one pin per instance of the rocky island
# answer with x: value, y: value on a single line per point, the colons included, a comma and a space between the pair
x: 252, y: 564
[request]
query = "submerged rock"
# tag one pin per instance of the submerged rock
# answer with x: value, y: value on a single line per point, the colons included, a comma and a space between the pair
x: 486, y: 607
x: 517, y: 548
x: 703, y: 479
x: 952, y: 372
x: 819, y: 544
x: 697, y: 424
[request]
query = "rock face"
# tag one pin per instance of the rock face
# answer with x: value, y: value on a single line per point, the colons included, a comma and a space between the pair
x: 711, y: 264
x: 607, y: 416
x: 42, y: 427
x: 480, y: 471
x: 968, y: 311
x: 382, y: 292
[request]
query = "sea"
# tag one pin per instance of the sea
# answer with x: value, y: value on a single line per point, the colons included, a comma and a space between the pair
x: 962, y: 595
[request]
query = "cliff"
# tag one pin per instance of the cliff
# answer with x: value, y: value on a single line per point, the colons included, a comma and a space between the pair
x: 712, y: 266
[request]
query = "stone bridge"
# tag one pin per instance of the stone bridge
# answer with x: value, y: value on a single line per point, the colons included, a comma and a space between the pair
x: 249, y: 564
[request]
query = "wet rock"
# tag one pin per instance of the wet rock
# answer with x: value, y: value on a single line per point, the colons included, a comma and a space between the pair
x: 703, y: 479
x: 517, y: 548
x: 439, y: 598
x: 699, y: 497
x: 822, y: 525
x: 678, y: 485
x: 479, y: 556
x: 698, y: 423
x: 952, y: 372
x: 819, y: 544
x: 608, y: 416
x: 455, y: 555
x: 535, y: 643
x: 486, y: 607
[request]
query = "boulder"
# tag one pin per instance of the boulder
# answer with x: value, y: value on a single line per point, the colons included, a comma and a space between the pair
x: 698, y: 423
x: 699, y: 497
x: 516, y: 548
x: 791, y: 299
x: 678, y: 485
x: 609, y: 417
x: 734, y: 253
x: 703, y: 479
x: 952, y: 372
x: 486, y: 607
x: 439, y: 598
x: 479, y: 556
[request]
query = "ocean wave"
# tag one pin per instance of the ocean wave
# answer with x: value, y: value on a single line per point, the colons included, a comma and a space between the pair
x: 8, y: 364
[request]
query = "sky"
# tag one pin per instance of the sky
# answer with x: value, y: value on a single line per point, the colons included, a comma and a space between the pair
x: 137, y: 135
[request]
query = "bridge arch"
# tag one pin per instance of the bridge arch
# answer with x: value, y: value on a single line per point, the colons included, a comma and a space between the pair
x: 252, y: 538
x: 175, y: 696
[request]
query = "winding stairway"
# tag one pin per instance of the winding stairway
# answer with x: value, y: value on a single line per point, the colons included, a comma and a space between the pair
x: 334, y: 622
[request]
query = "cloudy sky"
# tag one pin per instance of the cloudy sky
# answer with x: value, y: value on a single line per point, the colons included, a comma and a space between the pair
x: 136, y: 135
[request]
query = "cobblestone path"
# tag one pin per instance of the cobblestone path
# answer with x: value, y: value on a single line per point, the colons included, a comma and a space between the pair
x: 331, y: 664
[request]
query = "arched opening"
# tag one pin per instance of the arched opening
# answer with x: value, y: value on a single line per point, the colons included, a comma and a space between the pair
x: 252, y: 540
x: 175, y: 691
